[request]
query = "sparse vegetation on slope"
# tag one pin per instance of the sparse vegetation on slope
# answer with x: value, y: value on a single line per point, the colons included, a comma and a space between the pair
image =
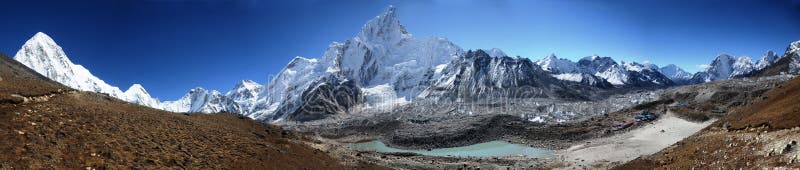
x: 66, y: 129
x: 763, y: 133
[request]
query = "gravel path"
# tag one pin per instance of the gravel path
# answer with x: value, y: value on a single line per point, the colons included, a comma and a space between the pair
x: 602, y: 152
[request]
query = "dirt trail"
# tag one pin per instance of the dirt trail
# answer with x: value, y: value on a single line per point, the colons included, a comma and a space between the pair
x: 602, y: 152
x: 763, y: 133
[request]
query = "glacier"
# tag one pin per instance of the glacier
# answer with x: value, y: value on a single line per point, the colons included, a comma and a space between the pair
x: 384, y: 67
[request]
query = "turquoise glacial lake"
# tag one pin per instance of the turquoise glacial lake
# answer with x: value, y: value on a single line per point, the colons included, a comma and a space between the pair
x: 487, y: 149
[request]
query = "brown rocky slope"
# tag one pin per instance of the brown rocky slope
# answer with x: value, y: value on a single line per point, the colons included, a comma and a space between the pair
x: 761, y: 134
x: 46, y: 125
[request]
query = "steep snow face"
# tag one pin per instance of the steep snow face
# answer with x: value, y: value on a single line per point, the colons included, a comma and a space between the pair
x: 288, y: 85
x: 614, y: 75
x: 384, y: 29
x: 768, y: 59
x: 743, y: 65
x: 245, y: 94
x: 138, y: 95
x: 203, y: 101
x: 382, y: 54
x: 41, y: 53
x: 553, y: 64
x: 793, y: 51
x: 720, y: 68
x: 675, y: 73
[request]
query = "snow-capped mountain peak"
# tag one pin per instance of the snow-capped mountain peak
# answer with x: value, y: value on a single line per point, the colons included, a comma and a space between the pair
x: 137, y: 94
x: 385, y: 28
x: 553, y: 64
x: 42, y: 54
x: 245, y: 93
x: 383, y: 54
x: 204, y: 101
x: 722, y: 65
x: 725, y: 66
x: 634, y: 66
x: 136, y: 89
x: 794, y: 47
x: 48, y: 47
x: 496, y: 52
x: 768, y: 59
x: 650, y: 66
x: 248, y: 85
x: 743, y: 65
x: 675, y: 73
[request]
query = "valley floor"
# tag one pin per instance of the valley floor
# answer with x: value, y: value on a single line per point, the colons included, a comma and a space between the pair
x: 609, y: 151
x: 46, y: 125
x: 586, y: 143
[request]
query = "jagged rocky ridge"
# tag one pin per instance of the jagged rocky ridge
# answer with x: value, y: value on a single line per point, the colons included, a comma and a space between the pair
x: 384, y: 66
x: 789, y: 63
x: 676, y: 74
x: 604, y: 72
x: 725, y: 66
x: 478, y: 75
x: 391, y: 67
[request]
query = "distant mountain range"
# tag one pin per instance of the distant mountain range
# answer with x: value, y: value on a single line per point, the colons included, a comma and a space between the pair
x: 386, y: 66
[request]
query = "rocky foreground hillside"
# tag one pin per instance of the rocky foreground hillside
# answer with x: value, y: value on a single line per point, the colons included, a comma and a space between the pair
x: 45, y: 125
x: 763, y: 133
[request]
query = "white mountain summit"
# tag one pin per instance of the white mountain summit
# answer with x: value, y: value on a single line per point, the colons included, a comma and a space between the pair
x: 383, y: 58
x: 384, y: 66
x: 42, y: 54
x: 137, y: 94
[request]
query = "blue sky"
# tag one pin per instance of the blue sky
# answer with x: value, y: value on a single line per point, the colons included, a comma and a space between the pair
x: 171, y: 46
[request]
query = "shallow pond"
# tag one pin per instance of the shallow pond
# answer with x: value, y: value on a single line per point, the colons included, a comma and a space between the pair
x: 487, y: 149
